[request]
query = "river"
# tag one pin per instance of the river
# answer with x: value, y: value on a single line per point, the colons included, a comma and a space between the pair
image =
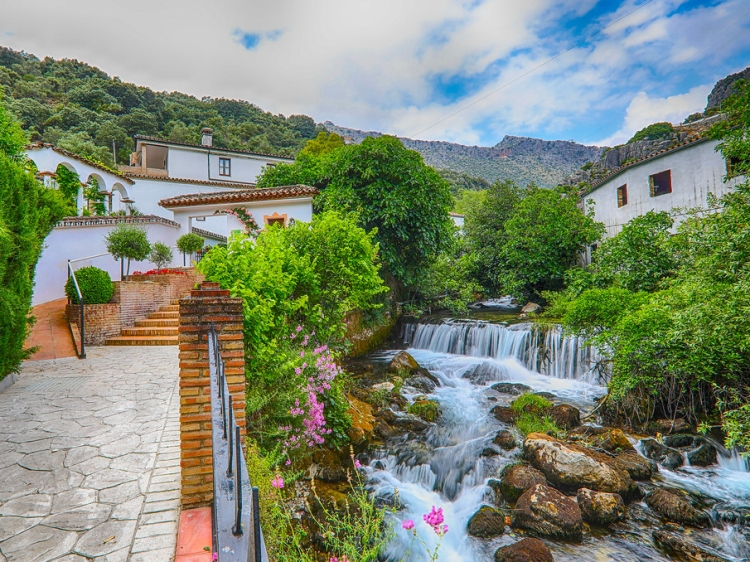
x: 445, y: 466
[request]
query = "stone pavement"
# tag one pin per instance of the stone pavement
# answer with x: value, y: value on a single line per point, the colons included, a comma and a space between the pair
x: 89, y: 458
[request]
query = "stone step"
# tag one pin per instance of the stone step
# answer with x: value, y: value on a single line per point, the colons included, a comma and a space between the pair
x: 151, y: 323
x: 138, y: 340
x: 150, y: 331
x: 174, y: 302
x: 170, y: 308
x: 168, y: 314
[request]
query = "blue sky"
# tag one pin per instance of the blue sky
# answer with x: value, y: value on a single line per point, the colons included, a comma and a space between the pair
x: 468, y: 71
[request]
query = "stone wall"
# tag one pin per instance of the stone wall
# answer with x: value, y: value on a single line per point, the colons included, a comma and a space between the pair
x: 204, y: 307
x: 102, y: 321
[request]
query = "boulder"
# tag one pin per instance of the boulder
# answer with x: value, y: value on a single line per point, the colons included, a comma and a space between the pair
x: 411, y: 423
x: 363, y: 422
x: 705, y: 455
x: 515, y: 479
x: 680, y: 440
x: 485, y: 373
x: 668, y: 427
x: 613, y: 440
x: 635, y: 465
x: 565, y: 416
x: 669, y: 458
x: 505, y: 439
x: 673, y: 508
x: 570, y: 466
x: 601, y: 508
x: 384, y: 386
x: 547, y: 396
x: 526, y: 550
x: 680, y: 547
x: 327, y: 467
x: 402, y: 361
x: 420, y: 383
x: 503, y: 414
x: 546, y: 512
x: 489, y: 452
x: 512, y: 388
x: 530, y: 307
x: 486, y: 523
x: 384, y: 430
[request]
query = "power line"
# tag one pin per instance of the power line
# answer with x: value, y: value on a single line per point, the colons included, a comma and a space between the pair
x: 525, y: 74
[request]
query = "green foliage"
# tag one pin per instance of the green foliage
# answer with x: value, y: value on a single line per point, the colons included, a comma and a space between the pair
x: 189, y: 243
x: 390, y: 189
x: 428, y: 410
x: 68, y: 183
x: 733, y: 132
x: 736, y: 426
x: 531, y: 403
x: 460, y: 182
x: 129, y: 242
x: 95, y: 285
x: 27, y: 215
x: 95, y: 198
x: 161, y: 255
x: 532, y: 414
x: 466, y: 200
x: 322, y: 144
x: 79, y: 107
x: 654, y: 131
x: 544, y: 237
x: 596, y: 311
x: 693, y: 117
x: 310, y: 275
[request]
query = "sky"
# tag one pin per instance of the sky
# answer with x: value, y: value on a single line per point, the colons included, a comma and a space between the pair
x: 467, y: 71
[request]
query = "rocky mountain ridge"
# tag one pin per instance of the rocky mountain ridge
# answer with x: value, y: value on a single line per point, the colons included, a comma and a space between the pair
x: 521, y: 159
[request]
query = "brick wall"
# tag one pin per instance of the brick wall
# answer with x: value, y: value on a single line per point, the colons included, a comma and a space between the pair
x: 139, y: 295
x: 204, y: 306
x: 102, y: 321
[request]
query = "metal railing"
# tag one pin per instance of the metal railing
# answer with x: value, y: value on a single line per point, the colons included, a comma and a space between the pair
x: 81, y: 326
x: 236, y: 513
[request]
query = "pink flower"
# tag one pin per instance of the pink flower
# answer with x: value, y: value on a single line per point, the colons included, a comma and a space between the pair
x: 215, y: 557
x: 299, y: 328
x: 434, y: 517
x: 357, y: 464
x: 277, y: 482
x: 408, y: 524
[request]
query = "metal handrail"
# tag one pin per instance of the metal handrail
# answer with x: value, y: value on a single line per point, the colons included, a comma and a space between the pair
x: 237, y: 536
x: 89, y: 258
x: 81, y: 328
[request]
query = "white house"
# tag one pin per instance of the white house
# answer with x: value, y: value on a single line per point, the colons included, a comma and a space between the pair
x: 676, y: 179
x: 176, y: 187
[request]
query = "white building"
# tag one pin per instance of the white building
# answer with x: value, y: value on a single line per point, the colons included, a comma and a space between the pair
x: 674, y: 180
x: 176, y: 187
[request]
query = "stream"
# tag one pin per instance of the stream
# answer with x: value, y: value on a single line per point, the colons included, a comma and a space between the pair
x: 444, y: 467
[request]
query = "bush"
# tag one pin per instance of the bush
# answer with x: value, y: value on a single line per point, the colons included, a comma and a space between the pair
x: 161, y: 255
x: 95, y: 284
x: 128, y: 242
x: 531, y: 423
x: 654, y: 131
x: 531, y: 403
x: 189, y: 243
x: 532, y: 414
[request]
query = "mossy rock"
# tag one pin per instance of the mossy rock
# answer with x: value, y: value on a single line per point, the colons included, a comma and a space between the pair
x: 426, y: 409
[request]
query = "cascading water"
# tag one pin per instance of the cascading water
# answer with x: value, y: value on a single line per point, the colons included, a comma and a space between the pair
x: 446, y: 467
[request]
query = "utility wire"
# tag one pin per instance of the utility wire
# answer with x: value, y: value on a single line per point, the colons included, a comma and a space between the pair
x: 525, y: 74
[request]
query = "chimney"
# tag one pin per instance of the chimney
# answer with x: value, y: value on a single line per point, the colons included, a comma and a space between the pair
x: 207, y: 136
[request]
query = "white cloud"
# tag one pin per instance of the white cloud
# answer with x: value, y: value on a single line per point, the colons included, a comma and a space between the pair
x: 372, y: 65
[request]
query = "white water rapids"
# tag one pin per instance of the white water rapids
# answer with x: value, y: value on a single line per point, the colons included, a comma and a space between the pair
x: 445, y: 467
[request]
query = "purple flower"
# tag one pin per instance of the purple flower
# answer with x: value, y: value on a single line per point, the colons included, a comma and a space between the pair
x: 357, y: 464
x: 408, y: 524
x: 277, y: 482
x: 434, y: 517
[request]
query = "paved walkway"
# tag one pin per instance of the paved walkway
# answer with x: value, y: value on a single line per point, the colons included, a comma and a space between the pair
x: 89, y: 458
x: 51, y: 333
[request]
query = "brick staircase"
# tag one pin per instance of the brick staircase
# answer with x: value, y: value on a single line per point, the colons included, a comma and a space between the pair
x: 158, y: 328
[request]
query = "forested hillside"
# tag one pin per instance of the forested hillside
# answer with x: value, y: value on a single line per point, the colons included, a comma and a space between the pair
x: 81, y: 108
x: 520, y: 159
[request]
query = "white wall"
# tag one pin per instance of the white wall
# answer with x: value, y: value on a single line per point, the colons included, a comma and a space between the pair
x: 190, y: 163
x: 66, y: 243
x: 696, y: 171
x: 148, y: 193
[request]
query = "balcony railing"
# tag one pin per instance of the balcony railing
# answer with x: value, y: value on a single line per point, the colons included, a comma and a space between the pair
x: 236, y: 513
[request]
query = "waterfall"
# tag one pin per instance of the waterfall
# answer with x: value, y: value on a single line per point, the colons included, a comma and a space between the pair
x: 545, y: 351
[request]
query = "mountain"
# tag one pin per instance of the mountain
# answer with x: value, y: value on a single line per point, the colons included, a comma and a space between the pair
x: 723, y: 89
x: 521, y: 159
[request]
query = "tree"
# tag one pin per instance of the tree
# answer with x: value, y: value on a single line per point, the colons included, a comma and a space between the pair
x: 655, y: 131
x: 544, y: 238
x: 161, y: 255
x: 129, y: 242
x: 12, y: 138
x: 189, y: 244
x: 734, y: 131
x: 322, y: 144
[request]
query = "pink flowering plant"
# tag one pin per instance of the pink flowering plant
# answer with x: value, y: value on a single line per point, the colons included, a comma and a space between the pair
x: 436, y: 520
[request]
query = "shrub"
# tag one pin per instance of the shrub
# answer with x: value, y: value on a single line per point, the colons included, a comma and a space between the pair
x: 531, y: 423
x: 531, y: 403
x: 654, y: 131
x: 189, y: 243
x: 95, y: 284
x: 531, y: 414
x: 128, y: 241
x: 161, y: 255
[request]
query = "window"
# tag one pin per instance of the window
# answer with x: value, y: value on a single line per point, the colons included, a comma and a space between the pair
x: 622, y: 195
x: 225, y: 167
x: 275, y: 218
x: 661, y: 183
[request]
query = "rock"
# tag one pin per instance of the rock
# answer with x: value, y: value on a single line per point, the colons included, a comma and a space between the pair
x: 682, y: 440
x: 512, y: 388
x: 411, y: 423
x: 668, y: 427
x: 601, y: 508
x: 489, y: 452
x: 384, y: 430
x: 420, y: 383
x: 548, y: 513
x: 565, y: 416
x: 678, y: 546
x: 705, y: 455
x: 426, y: 409
x: 486, y: 523
x: 570, y: 467
x: 515, y: 479
x: 327, y: 466
x: 384, y: 386
x: 546, y: 395
x: 387, y: 415
x: 503, y: 414
x: 613, y: 440
x: 526, y: 550
x: 673, y: 508
x: 530, y: 307
x: 414, y: 453
x: 363, y: 422
x: 505, y: 439
x: 485, y: 373
x: 669, y: 458
x: 635, y: 465
x: 403, y: 361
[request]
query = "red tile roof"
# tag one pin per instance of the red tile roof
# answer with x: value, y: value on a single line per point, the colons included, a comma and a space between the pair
x: 239, y: 196
x: 38, y: 145
x: 237, y: 184
x: 212, y: 148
